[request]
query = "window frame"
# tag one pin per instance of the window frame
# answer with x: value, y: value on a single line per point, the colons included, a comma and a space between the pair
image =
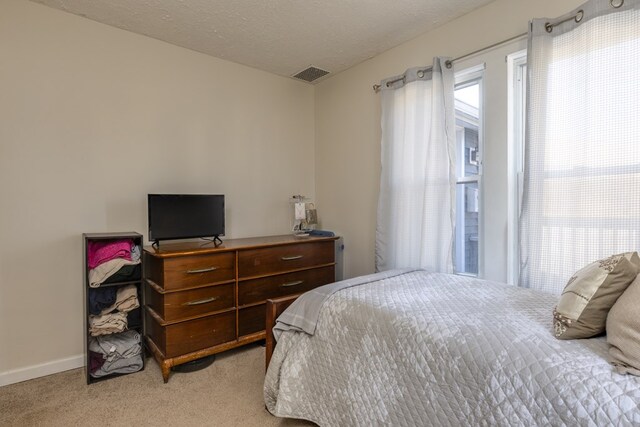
x: 516, y: 123
x: 463, y: 78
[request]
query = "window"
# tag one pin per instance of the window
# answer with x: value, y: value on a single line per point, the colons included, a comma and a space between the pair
x: 468, y: 112
x: 582, y: 174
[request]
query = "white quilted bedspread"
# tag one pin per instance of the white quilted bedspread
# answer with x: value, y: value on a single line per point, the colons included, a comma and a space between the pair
x: 425, y: 349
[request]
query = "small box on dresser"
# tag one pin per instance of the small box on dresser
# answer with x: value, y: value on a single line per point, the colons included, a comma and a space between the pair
x: 104, y: 277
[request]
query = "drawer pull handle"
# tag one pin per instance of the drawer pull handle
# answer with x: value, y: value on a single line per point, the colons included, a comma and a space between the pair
x: 201, y: 301
x: 296, y: 283
x: 291, y: 258
x: 202, y: 270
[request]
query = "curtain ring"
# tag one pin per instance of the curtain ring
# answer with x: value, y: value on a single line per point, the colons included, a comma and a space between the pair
x: 548, y: 26
x: 580, y: 15
x: 616, y: 3
x: 420, y: 74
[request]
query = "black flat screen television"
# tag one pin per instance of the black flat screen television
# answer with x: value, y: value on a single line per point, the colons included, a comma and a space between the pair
x: 185, y: 216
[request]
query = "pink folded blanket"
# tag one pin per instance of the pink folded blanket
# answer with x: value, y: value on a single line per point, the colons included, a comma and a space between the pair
x: 101, y: 251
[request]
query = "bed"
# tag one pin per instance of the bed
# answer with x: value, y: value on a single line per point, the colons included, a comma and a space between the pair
x: 410, y: 347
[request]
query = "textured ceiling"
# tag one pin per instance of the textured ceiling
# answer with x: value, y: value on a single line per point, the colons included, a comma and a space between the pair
x: 278, y: 36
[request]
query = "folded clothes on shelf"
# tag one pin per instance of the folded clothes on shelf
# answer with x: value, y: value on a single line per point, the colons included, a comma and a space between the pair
x: 101, y: 298
x: 107, y: 323
x: 117, y: 346
x: 96, y: 360
x: 126, y: 273
x: 98, y: 275
x: 120, y: 366
x: 136, y: 252
x: 121, y: 353
x: 126, y: 300
x: 101, y: 251
x: 134, y: 318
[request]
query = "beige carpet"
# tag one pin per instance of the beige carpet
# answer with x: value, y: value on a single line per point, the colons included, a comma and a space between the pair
x: 227, y: 393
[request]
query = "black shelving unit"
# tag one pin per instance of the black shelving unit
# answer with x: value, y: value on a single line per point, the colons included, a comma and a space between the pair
x: 139, y: 326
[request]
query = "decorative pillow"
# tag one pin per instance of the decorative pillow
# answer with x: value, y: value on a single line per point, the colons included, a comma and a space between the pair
x: 623, y: 331
x: 590, y: 293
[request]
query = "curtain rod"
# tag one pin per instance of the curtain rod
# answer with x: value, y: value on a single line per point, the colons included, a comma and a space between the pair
x: 449, y: 63
x: 548, y: 26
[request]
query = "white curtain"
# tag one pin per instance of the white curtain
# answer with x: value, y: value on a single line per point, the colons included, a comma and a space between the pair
x: 417, y: 183
x: 581, y: 198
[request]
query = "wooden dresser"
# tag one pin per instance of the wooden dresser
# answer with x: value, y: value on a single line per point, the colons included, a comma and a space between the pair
x: 201, y: 299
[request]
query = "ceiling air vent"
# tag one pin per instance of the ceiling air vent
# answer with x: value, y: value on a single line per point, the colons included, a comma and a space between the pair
x: 310, y: 74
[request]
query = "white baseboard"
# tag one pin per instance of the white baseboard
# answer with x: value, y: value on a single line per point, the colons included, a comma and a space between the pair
x: 41, y: 370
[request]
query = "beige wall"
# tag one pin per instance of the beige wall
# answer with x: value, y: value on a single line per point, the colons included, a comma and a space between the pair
x: 93, y: 118
x: 348, y: 128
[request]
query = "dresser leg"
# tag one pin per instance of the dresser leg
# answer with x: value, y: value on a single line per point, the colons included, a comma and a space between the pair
x: 166, y: 369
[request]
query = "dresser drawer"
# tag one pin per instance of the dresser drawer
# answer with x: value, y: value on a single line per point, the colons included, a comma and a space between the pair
x: 190, y: 302
x: 193, y: 335
x: 259, y: 262
x: 258, y: 290
x: 252, y: 319
x: 194, y: 270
